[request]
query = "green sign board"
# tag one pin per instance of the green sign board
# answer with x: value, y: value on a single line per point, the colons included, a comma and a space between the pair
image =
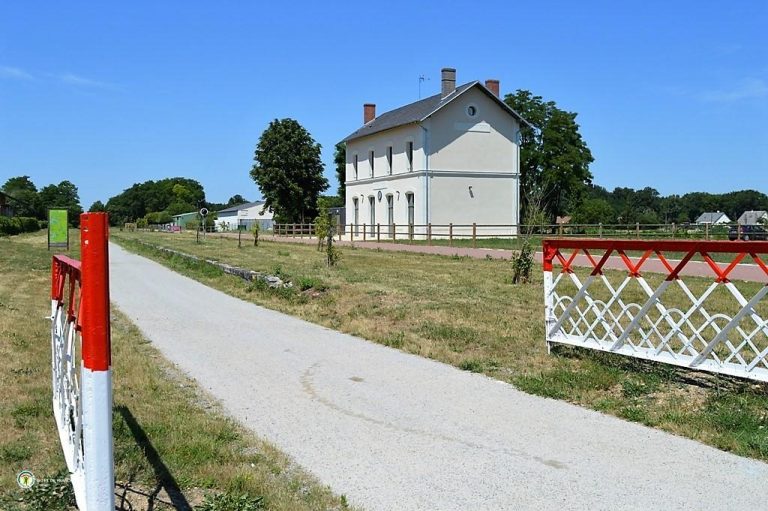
x: 58, y: 228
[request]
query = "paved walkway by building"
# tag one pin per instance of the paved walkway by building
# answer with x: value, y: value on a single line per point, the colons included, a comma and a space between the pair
x: 394, y: 431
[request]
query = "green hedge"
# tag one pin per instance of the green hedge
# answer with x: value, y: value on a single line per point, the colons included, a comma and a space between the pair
x: 17, y: 225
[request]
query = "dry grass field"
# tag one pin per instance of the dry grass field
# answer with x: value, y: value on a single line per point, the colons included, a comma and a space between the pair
x: 465, y: 312
x: 173, y: 446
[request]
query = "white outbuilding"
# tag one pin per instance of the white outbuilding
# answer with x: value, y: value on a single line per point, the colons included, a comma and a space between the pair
x: 244, y: 215
x: 713, y: 218
x: 753, y: 217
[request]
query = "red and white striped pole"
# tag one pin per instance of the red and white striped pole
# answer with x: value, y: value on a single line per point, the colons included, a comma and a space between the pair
x: 96, y: 372
x: 549, y: 254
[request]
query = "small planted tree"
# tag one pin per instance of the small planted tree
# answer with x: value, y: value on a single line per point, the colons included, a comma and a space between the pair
x: 332, y: 254
x: 255, y: 228
x: 535, y: 214
x: 322, y: 227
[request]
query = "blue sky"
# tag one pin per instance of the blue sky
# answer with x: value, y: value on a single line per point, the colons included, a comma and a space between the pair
x: 672, y: 95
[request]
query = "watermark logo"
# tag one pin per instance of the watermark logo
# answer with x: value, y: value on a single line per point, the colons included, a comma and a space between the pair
x: 26, y: 479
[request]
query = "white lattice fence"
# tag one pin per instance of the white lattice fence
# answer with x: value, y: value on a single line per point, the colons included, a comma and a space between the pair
x: 649, y: 305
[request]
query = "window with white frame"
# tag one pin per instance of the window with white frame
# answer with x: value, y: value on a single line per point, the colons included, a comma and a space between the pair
x: 354, y: 164
x: 391, y: 214
x: 389, y: 160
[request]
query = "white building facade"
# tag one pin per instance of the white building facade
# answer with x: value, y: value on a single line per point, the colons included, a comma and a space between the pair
x: 244, y: 215
x: 452, y: 158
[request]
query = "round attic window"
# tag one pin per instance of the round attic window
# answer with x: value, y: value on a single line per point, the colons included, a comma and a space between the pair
x: 471, y: 110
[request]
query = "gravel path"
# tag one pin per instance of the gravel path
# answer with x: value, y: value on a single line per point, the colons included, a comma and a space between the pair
x: 399, y: 432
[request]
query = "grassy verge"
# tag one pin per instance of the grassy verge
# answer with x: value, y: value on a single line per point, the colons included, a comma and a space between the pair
x: 173, y: 447
x: 465, y: 312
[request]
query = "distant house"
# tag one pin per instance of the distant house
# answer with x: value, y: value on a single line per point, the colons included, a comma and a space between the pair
x: 245, y: 215
x: 753, y: 217
x: 451, y: 158
x: 713, y: 218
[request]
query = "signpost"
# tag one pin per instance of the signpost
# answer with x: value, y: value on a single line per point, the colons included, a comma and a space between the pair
x: 203, y: 214
x: 58, y: 228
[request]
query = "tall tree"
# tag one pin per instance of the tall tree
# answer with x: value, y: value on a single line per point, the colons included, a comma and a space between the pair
x: 24, y: 191
x: 288, y: 171
x: 64, y: 195
x: 553, y: 158
x: 97, y: 207
x: 340, y: 160
x: 236, y: 200
x: 594, y: 211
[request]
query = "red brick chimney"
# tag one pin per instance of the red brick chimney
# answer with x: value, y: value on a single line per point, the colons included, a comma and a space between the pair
x: 369, y: 112
x: 493, y: 86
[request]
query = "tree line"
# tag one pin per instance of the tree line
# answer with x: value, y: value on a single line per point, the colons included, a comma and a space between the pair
x: 647, y: 206
x: 156, y: 202
x: 31, y: 202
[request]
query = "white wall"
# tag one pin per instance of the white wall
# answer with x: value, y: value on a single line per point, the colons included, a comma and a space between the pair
x: 252, y: 213
x: 397, y: 138
x: 485, y: 142
x: 397, y: 188
x: 490, y: 201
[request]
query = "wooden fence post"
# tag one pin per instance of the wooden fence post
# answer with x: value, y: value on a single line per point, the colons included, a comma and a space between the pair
x: 364, y: 229
x: 378, y: 233
x: 394, y: 232
x: 600, y: 230
x: 429, y: 233
x: 450, y: 234
x: 474, y: 234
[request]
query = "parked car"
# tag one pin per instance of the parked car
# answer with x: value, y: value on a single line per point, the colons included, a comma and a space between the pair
x: 748, y: 232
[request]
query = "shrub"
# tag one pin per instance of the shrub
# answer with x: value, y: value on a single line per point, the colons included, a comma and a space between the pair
x: 10, y: 226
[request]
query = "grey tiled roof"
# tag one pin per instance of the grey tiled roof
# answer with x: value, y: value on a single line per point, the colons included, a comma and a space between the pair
x: 247, y: 205
x: 419, y: 111
x: 711, y: 218
x: 752, y: 217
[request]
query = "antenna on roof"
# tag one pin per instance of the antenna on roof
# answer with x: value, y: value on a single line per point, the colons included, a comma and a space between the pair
x: 422, y: 78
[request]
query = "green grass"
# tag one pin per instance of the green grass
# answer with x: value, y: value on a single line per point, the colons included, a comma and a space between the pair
x: 167, y: 432
x: 464, y: 312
